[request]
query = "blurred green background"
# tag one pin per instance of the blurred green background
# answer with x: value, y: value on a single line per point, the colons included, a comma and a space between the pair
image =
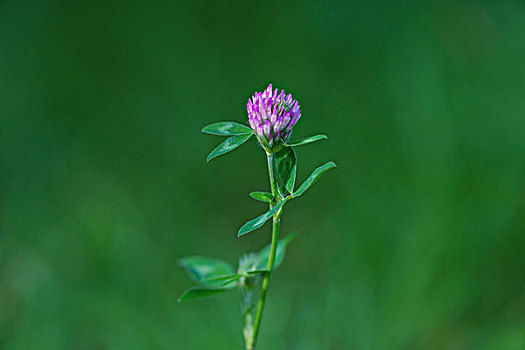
x: 416, y: 241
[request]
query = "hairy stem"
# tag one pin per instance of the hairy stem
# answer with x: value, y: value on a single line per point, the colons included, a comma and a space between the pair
x: 248, y: 304
x: 271, y: 260
x: 248, y: 331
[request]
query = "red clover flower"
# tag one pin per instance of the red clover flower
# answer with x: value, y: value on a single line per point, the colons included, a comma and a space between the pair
x: 272, y: 116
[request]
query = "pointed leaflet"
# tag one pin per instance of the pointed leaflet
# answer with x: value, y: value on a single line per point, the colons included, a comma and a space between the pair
x: 259, y: 221
x: 206, y: 271
x: 316, y: 174
x: 227, y: 129
x: 264, y: 254
x: 307, y: 140
x: 199, y: 293
x: 228, y: 145
x: 285, y: 169
x: 262, y: 196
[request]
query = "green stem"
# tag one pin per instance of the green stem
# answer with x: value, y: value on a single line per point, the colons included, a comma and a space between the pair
x: 273, y: 250
x: 269, y: 158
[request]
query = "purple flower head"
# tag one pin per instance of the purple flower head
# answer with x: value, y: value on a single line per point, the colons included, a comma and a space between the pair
x: 272, y: 116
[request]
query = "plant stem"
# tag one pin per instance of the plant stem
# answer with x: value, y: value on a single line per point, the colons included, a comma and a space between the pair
x: 248, y: 305
x: 266, y: 281
x: 273, y: 188
x: 248, y: 330
x: 273, y: 250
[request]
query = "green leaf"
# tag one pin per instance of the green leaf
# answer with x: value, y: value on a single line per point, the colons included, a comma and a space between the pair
x: 285, y: 169
x: 206, y: 271
x: 316, y: 174
x: 264, y: 254
x: 229, y: 281
x: 259, y: 221
x: 227, y: 129
x: 199, y: 293
x: 262, y: 196
x: 228, y: 145
x: 221, y: 278
x: 307, y: 140
x: 226, y: 280
x: 258, y: 271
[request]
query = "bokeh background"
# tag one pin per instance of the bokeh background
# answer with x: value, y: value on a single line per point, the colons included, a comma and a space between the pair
x: 416, y: 241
